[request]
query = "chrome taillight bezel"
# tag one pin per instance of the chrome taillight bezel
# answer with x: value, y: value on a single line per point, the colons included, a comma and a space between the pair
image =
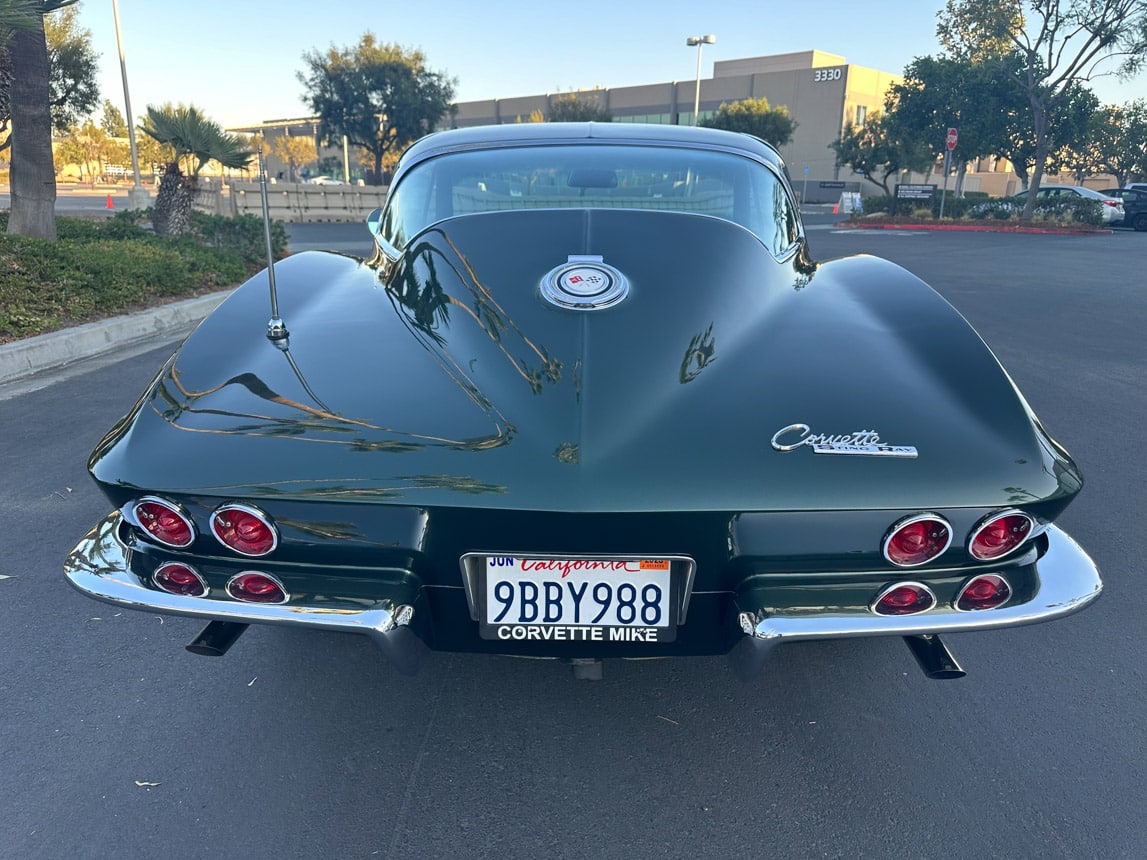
x: 205, y: 589
x: 253, y: 511
x: 991, y: 518
x: 274, y: 579
x: 130, y: 513
x: 907, y: 521
x: 873, y: 606
x: 972, y: 581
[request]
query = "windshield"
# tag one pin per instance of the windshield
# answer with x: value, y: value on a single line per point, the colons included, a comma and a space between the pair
x: 704, y: 182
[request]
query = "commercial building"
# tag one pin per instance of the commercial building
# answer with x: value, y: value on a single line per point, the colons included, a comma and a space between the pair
x: 822, y: 92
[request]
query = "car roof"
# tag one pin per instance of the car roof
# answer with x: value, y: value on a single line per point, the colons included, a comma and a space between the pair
x: 1081, y: 190
x: 535, y: 133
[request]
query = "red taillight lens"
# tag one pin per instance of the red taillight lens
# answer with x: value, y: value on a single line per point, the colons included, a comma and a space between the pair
x: 176, y: 578
x: 917, y: 540
x: 163, y: 520
x: 999, y: 535
x: 986, y: 591
x: 254, y: 587
x: 244, y: 529
x: 904, y: 598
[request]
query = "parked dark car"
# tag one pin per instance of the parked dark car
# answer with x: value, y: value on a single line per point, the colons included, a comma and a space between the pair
x: 592, y: 398
x: 1134, y: 207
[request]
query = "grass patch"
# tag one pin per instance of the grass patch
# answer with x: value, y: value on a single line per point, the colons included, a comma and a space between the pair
x: 102, y: 268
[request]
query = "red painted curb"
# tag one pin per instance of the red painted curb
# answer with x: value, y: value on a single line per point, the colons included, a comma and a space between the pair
x: 974, y: 228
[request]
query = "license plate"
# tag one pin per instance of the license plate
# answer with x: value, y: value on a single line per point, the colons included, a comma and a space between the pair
x: 577, y: 600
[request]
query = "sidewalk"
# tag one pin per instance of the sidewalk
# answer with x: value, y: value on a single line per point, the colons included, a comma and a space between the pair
x: 38, y: 361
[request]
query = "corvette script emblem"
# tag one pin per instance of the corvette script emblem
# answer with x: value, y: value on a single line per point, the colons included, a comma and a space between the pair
x: 865, y: 443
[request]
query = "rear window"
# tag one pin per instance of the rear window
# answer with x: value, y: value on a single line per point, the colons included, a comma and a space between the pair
x: 703, y: 182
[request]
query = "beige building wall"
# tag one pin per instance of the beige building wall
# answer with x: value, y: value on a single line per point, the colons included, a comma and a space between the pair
x: 775, y: 63
x: 819, y: 89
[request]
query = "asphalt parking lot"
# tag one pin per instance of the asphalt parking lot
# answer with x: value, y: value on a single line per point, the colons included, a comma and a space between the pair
x: 118, y: 743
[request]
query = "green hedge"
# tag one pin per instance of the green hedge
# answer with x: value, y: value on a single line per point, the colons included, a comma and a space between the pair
x: 978, y: 206
x: 106, y: 267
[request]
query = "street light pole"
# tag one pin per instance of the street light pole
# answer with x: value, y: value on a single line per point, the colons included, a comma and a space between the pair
x: 137, y: 196
x: 699, y: 41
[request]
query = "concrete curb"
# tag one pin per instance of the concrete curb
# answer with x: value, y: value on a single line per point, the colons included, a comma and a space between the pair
x: 56, y: 350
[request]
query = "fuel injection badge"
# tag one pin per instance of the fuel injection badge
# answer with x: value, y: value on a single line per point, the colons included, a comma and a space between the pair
x: 864, y: 443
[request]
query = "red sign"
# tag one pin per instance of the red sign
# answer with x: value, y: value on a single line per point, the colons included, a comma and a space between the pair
x: 951, y: 139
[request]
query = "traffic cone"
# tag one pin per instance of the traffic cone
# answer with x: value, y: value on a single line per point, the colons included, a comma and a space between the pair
x: 110, y: 204
x: 836, y: 208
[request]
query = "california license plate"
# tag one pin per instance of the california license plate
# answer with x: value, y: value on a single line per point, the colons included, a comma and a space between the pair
x: 577, y: 600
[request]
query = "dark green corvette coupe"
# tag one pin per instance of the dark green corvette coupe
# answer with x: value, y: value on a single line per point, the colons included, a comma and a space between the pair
x: 591, y: 399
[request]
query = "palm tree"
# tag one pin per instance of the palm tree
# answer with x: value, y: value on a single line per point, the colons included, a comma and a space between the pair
x: 196, y: 141
x: 33, y: 175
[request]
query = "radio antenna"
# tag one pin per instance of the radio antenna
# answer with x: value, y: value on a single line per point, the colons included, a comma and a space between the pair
x: 276, y: 328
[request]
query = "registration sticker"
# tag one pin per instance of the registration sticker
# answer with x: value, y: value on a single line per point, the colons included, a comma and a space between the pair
x: 577, y: 600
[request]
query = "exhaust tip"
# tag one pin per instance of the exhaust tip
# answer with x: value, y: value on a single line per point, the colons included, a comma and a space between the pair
x: 934, y: 657
x: 216, y: 638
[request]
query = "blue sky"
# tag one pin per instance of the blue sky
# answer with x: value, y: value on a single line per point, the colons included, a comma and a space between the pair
x: 238, y: 60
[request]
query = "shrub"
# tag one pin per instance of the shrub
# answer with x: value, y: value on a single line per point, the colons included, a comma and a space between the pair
x: 123, y: 225
x: 876, y: 203
x: 91, y: 272
x: 242, y: 234
x: 1000, y: 209
x: 1070, y: 209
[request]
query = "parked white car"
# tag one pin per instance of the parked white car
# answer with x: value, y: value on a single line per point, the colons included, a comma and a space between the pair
x: 1112, y: 206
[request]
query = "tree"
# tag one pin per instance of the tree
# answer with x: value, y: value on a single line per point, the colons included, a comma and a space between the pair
x: 32, y: 175
x: 993, y: 114
x: 72, y: 83
x: 755, y: 117
x: 1071, y: 131
x: 1119, y: 144
x: 86, y: 147
x: 380, y: 96
x: 74, y: 66
x: 938, y: 93
x: 153, y: 155
x: 1061, y: 45
x: 1068, y: 124
x: 112, y: 121
x: 196, y: 140
x: 575, y: 107
x: 296, y: 151
x: 875, y: 151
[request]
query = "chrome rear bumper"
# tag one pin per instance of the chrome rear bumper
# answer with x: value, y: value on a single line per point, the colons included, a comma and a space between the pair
x: 1068, y: 581
x: 1067, y: 578
x: 100, y: 567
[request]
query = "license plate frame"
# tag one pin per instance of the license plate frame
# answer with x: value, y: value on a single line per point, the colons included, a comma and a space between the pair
x: 672, y: 574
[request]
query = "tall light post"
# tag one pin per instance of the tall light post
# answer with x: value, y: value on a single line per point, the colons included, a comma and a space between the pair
x: 699, y: 41
x: 137, y: 195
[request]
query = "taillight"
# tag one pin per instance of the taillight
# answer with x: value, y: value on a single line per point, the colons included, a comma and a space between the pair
x: 917, y: 540
x: 986, y: 591
x: 244, y: 529
x: 999, y: 534
x: 163, y: 520
x: 254, y: 587
x: 904, y: 598
x: 177, y: 578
